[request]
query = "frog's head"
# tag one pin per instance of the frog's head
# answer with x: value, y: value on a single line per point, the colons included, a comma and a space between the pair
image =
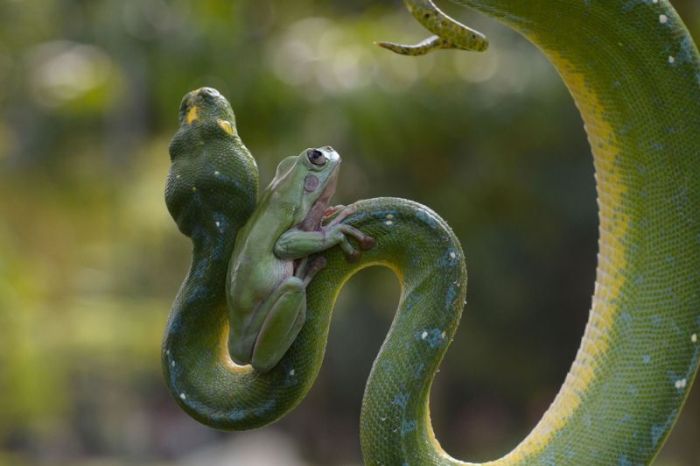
x: 204, y: 106
x: 319, y: 184
x: 308, y: 180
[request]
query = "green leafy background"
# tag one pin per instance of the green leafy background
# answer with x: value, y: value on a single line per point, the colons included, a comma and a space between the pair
x: 90, y: 260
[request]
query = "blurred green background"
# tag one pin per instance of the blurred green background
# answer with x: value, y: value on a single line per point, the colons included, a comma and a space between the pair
x: 90, y: 260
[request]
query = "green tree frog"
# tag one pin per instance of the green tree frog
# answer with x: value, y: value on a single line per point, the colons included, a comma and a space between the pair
x: 270, y: 266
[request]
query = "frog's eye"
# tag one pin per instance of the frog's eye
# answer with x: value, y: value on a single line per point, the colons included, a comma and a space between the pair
x: 316, y: 157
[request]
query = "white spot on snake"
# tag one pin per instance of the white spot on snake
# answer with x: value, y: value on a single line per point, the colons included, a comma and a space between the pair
x: 388, y: 223
x: 663, y: 19
x: 671, y: 59
x: 218, y: 224
x: 453, y: 255
x: 646, y: 359
x: 172, y: 363
x: 216, y: 172
x: 694, y: 338
x: 194, y: 189
x: 389, y: 216
x: 680, y: 384
x: 167, y: 352
x: 178, y: 176
x: 183, y: 396
x: 292, y: 372
x: 424, y: 335
x: 443, y: 334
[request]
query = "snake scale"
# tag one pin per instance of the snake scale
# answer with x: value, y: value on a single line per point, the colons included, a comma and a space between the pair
x: 634, y: 73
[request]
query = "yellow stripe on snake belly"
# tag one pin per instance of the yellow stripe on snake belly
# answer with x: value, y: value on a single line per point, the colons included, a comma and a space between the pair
x: 610, y: 274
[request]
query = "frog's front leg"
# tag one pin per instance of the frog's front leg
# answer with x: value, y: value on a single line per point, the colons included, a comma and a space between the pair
x: 295, y: 243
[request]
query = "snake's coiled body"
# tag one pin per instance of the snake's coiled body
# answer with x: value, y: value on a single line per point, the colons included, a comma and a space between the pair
x: 634, y: 73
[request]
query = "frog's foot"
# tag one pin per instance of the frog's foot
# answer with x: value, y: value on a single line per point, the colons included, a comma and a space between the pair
x: 342, y: 231
x: 332, y: 212
x: 366, y: 242
x: 338, y: 214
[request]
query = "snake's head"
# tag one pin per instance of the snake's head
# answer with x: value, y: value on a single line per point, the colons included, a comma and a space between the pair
x: 206, y: 106
x: 212, y: 172
x: 205, y: 116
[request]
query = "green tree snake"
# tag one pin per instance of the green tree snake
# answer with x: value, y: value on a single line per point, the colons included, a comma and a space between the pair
x: 634, y: 73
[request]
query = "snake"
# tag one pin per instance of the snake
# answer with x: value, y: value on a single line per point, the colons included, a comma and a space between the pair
x: 634, y: 73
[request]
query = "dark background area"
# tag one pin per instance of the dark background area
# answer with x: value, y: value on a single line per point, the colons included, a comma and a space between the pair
x: 90, y: 260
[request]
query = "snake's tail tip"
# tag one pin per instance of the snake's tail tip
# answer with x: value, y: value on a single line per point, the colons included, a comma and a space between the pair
x: 392, y: 46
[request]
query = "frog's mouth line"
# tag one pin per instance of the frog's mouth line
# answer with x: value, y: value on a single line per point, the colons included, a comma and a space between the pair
x: 312, y: 221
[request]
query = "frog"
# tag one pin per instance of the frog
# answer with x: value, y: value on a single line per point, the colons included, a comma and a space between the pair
x: 276, y: 256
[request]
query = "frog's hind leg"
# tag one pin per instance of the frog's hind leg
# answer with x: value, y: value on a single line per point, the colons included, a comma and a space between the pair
x: 284, y: 319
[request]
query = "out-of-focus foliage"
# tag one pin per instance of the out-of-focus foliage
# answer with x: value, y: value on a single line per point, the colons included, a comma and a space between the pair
x: 90, y: 260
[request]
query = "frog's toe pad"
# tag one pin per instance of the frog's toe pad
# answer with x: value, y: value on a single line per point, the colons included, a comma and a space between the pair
x: 367, y: 243
x: 353, y: 257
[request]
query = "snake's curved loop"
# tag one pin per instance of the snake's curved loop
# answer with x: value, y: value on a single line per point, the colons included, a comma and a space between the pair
x: 449, y: 33
x: 633, y: 71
